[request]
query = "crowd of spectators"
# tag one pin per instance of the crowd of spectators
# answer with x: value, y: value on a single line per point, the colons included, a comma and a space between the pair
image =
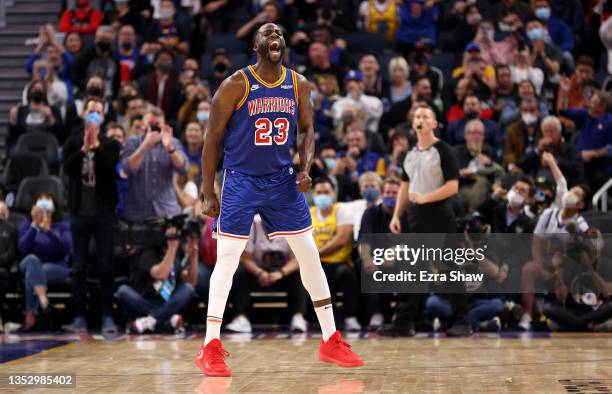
x: 125, y: 87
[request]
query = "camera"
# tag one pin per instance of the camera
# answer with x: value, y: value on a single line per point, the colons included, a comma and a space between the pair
x: 153, y: 232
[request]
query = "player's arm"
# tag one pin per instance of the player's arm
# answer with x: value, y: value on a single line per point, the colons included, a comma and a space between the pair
x: 223, y: 104
x: 305, y: 135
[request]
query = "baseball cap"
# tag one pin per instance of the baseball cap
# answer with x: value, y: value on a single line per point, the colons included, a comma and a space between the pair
x: 353, y: 75
x: 472, y: 46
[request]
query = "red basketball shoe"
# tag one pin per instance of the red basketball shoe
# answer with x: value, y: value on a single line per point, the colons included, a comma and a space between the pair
x: 211, y: 359
x: 336, y: 351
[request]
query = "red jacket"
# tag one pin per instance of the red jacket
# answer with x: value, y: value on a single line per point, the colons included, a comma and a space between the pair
x: 82, y: 21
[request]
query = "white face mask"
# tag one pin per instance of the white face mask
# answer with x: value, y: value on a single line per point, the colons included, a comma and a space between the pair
x: 45, y: 205
x: 515, y: 200
x: 529, y: 119
x: 570, y: 200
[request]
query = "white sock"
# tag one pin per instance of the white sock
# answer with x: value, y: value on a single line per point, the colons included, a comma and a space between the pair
x: 313, y: 278
x: 228, y: 258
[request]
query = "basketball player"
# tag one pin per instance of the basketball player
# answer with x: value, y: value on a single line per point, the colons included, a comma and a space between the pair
x: 256, y: 113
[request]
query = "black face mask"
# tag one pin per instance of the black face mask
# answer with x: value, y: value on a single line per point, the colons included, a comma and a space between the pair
x: 36, y: 96
x: 471, y: 115
x: 220, y: 67
x: 164, y: 67
x: 103, y: 46
x: 95, y: 91
x: 302, y: 46
x: 126, y: 46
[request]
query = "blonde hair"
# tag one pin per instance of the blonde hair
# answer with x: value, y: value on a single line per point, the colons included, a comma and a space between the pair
x: 400, y: 62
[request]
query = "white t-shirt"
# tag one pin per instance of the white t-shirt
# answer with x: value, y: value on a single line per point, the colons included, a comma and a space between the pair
x: 356, y: 209
x: 259, y: 243
x: 550, y: 222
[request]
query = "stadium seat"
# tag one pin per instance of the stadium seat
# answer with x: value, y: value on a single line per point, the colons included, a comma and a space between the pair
x: 15, y: 218
x: 359, y: 43
x: 31, y: 186
x: 19, y: 167
x: 41, y: 144
x: 446, y: 62
x: 229, y: 42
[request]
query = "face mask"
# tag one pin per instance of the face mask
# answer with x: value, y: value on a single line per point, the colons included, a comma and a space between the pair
x: 203, y: 116
x: 166, y: 14
x: 103, y: 46
x: 36, y: 96
x: 150, y: 58
x: 190, y: 73
x: 322, y: 201
x: 471, y: 115
x: 514, y: 199
x: 126, y: 46
x: 543, y: 13
x: 535, y: 34
x: 95, y: 91
x: 220, y: 67
x: 330, y: 163
x: 474, y: 19
x: 93, y: 117
x: 569, y: 200
x: 45, y: 205
x: 370, y: 194
x: 529, y: 119
x: 505, y: 27
x: 164, y: 67
x: 389, y: 202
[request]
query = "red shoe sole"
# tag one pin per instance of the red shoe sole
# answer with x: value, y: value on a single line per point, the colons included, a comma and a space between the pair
x: 211, y: 373
x: 327, y: 359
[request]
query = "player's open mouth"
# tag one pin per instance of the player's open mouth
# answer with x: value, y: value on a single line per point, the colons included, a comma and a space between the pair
x: 274, y: 47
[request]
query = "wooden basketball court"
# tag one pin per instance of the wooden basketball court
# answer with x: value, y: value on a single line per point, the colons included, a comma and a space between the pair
x: 276, y: 363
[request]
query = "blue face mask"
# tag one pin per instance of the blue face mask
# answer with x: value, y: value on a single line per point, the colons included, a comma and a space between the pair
x: 330, y: 163
x: 203, y: 116
x: 322, y: 201
x: 370, y: 194
x: 543, y: 13
x: 93, y: 117
x: 535, y: 34
x: 389, y: 202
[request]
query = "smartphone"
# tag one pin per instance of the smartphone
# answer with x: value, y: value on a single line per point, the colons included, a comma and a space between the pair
x: 155, y: 128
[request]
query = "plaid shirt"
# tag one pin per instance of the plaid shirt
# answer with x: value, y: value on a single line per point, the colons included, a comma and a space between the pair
x: 150, y: 193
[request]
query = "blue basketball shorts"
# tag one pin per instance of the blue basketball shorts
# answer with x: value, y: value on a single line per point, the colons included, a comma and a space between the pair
x: 282, y: 208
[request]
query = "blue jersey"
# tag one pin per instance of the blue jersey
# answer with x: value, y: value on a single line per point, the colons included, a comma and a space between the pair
x: 262, y: 130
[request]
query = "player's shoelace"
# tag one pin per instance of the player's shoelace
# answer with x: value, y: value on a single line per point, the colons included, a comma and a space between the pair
x: 218, y: 356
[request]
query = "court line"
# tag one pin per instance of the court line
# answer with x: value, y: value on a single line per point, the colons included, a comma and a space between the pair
x: 47, y: 351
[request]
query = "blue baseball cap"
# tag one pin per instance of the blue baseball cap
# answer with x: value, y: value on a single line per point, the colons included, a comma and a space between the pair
x: 472, y: 46
x: 353, y: 75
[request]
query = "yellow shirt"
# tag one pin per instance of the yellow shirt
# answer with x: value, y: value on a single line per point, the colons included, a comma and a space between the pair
x: 388, y: 16
x: 324, y: 231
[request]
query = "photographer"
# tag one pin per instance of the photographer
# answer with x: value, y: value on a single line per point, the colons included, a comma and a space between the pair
x: 160, y: 285
x: 270, y: 265
x: 150, y: 161
x: 546, y: 264
x: 90, y: 160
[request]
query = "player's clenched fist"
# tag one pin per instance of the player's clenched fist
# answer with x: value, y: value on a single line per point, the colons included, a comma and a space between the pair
x: 210, y: 206
x: 303, y: 182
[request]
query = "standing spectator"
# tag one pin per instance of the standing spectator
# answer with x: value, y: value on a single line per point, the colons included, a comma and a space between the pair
x: 150, y: 160
x: 333, y: 234
x: 546, y: 55
x: 90, y: 160
x: 173, y: 35
x: 73, y: 43
x: 505, y: 89
x: 270, y: 13
x: 196, y: 94
x: 417, y: 25
x: 374, y: 83
x: 422, y: 68
x: 45, y: 241
x: 571, y: 94
x: 558, y: 31
x: 99, y: 60
x: 380, y: 16
x: 124, y: 14
x: 512, y: 110
x: 505, y: 7
x: 372, y: 106
x: 127, y: 51
x: 193, y: 141
x: 399, y: 144
x: 82, y: 19
x: 493, y: 52
x: 399, y: 74
x: 320, y: 69
x: 522, y: 136
x: 522, y: 67
x: 221, y: 68
x: 594, y: 140
x: 358, y: 158
x: 8, y: 250
x: 162, y: 87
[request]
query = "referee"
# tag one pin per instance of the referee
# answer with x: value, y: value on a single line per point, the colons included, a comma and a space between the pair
x: 430, y: 179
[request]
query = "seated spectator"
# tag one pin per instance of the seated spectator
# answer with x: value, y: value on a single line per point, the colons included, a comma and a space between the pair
x: 164, y: 79
x: 57, y: 90
x: 99, y: 60
x: 399, y: 112
x: 374, y: 83
x: 127, y: 51
x: 150, y: 160
x: 511, y: 111
x: 160, y: 285
x: 90, y: 161
x: 9, y: 251
x: 399, y: 73
x: 523, y: 135
x: 358, y: 158
x: 473, y: 66
x: 571, y: 93
x: 556, y: 29
x: 493, y: 52
x: 375, y: 220
x: 422, y: 68
x: 270, y: 265
x: 454, y: 105
x: 472, y: 109
x: 73, y: 43
x: 58, y: 57
x: 399, y: 144
x: 36, y: 115
x: 173, y: 35
x: 505, y: 7
x: 45, y: 241
x: 546, y: 55
x: 505, y: 211
x: 124, y: 14
x: 319, y: 68
x: 333, y: 234
x: 594, y: 125
x: 82, y: 19
x: 74, y: 113
x: 522, y: 67
x: 329, y: 165
x: 329, y: 36
x: 372, y: 106
x: 323, y: 119
x: 417, y: 25
x: 505, y: 89
x: 190, y: 73
x: 565, y: 155
x: 476, y: 165
x: 484, y: 313
x: 115, y: 131
x: 221, y: 68
x: 545, y: 264
x: 380, y: 16
x: 135, y: 107
x: 196, y: 94
x: 193, y: 141
x: 370, y: 185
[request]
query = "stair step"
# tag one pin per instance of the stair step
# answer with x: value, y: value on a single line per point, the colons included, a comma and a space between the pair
x: 6, y: 107
x: 13, y: 84
x: 19, y: 18
x: 10, y: 97
x: 15, y: 61
x: 21, y: 7
x: 14, y: 74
